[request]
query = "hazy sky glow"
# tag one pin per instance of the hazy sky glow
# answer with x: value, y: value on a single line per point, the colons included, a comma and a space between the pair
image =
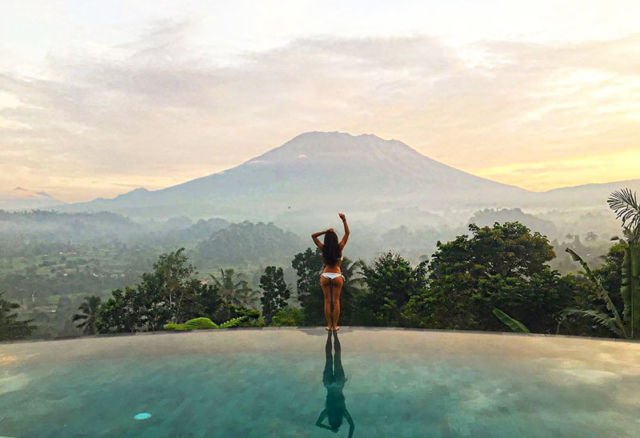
x: 97, y: 98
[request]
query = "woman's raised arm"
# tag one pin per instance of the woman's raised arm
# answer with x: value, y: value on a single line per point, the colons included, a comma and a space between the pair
x: 343, y: 242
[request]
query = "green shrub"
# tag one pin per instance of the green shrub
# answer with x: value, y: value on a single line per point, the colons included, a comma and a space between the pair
x: 203, y: 324
x: 288, y: 316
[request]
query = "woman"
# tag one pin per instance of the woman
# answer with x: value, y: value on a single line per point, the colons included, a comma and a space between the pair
x: 331, y: 278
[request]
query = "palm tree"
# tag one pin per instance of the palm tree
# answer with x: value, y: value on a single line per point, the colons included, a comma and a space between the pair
x: 625, y: 204
x: 88, y: 315
x: 237, y: 293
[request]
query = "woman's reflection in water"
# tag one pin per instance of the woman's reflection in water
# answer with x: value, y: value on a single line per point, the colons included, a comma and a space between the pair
x: 333, y: 378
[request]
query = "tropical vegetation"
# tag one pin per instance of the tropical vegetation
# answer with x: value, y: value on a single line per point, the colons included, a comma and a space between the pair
x: 10, y: 327
x: 492, y: 277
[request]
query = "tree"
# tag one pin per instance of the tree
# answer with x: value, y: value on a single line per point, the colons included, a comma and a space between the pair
x: 121, y: 313
x: 391, y: 282
x: 308, y: 266
x: 275, y: 292
x: 503, y: 266
x: 88, y: 315
x: 625, y: 204
x: 10, y: 327
x: 170, y: 293
x: 237, y: 293
x: 626, y: 323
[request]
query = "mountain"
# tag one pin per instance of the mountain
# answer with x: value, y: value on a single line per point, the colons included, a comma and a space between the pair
x: 375, y: 180
x: 25, y: 199
x: 313, y: 172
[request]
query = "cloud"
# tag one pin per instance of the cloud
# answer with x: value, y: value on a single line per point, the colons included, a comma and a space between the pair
x: 157, y: 109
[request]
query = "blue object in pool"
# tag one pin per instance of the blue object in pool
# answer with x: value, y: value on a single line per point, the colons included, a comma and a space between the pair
x: 142, y: 416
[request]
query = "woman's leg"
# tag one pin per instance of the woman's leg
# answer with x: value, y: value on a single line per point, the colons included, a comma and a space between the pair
x: 337, y: 291
x: 325, y: 284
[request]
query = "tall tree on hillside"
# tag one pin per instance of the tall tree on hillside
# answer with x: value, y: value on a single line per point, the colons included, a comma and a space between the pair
x: 235, y: 292
x: 275, y: 292
x: 87, y: 317
x: 10, y: 327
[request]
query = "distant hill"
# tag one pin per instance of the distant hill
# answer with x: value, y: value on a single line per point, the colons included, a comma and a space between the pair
x: 248, y: 243
x: 585, y: 195
x: 25, y: 199
x: 52, y: 226
x: 487, y: 217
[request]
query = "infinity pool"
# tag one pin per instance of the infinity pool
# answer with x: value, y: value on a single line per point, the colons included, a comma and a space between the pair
x: 279, y: 382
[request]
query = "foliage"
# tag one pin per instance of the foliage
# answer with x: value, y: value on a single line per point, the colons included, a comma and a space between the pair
x: 614, y: 323
x: 10, y: 327
x: 237, y: 293
x: 503, y: 266
x: 625, y: 204
x: 275, y: 292
x: 119, y: 314
x: 513, y: 324
x: 170, y: 293
x: 203, y: 324
x: 391, y: 282
x: 308, y: 266
x: 288, y: 316
x: 88, y: 315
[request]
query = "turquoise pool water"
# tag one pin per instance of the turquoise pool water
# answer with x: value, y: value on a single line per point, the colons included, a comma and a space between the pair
x: 277, y: 382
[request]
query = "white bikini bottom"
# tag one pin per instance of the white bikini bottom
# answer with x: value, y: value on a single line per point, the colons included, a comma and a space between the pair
x: 332, y: 275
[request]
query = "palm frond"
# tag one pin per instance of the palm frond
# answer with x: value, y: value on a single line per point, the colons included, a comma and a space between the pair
x: 600, y: 318
x: 79, y: 317
x: 512, y: 323
x: 604, y: 295
x: 233, y: 322
x: 625, y: 204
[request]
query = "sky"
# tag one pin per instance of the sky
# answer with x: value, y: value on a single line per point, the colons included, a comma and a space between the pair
x: 98, y: 98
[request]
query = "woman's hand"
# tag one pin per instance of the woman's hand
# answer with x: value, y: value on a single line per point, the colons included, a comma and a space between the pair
x: 342, y: 216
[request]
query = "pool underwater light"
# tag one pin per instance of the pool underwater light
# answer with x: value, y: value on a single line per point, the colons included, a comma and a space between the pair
x: 142, y: 416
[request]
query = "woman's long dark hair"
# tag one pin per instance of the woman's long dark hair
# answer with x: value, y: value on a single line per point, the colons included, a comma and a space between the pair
x: 331, y: 251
